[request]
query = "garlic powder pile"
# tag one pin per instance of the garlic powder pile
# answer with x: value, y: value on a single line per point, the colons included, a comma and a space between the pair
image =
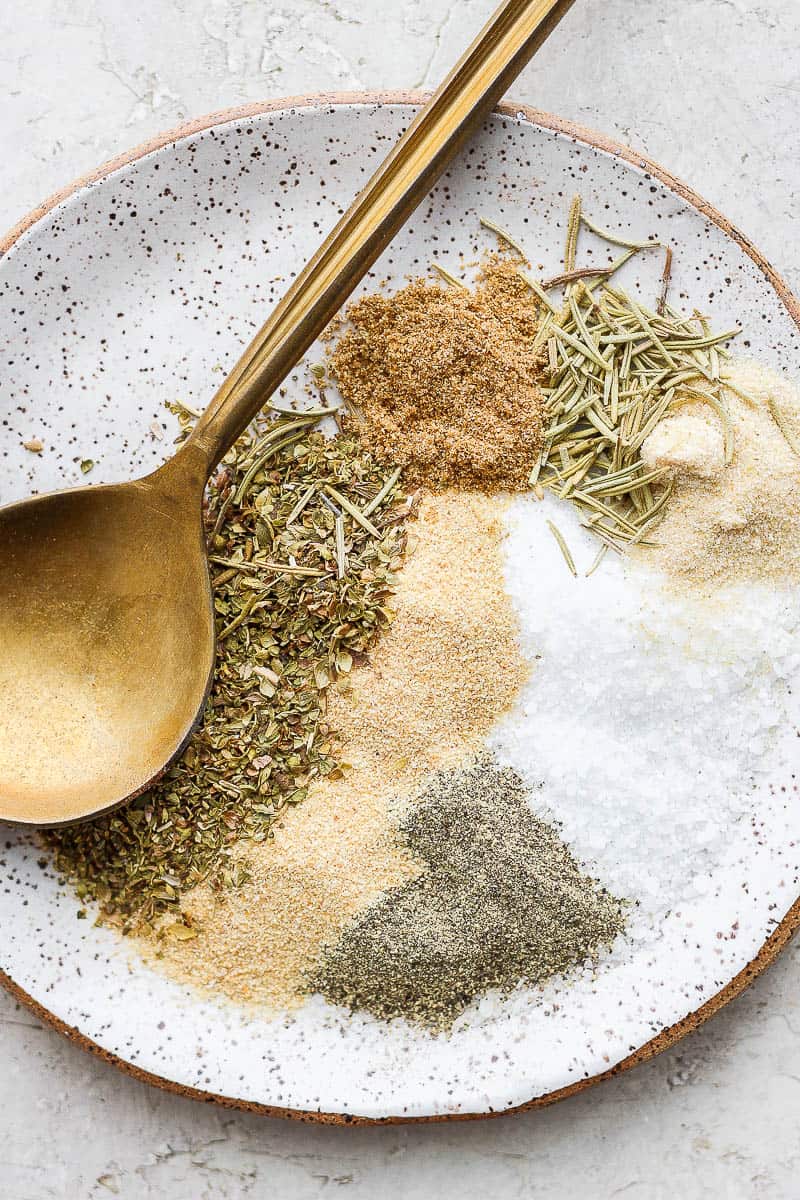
x: 738, y: 522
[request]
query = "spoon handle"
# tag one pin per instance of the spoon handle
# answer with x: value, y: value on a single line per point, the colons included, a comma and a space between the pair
x: 468, y: 94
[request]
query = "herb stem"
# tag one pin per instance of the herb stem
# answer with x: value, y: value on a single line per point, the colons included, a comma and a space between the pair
x: 779, y: 417
x: 378, y: 499
x: 354, y: 512
x: 573, y: 232
x: 563, y: 547
x: 504, y: 236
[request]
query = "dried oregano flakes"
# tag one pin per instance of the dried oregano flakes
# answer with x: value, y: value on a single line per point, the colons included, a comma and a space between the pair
x: 305, y: 536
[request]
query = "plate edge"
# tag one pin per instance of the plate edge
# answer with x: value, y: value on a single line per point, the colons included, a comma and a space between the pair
x: 788, y: 926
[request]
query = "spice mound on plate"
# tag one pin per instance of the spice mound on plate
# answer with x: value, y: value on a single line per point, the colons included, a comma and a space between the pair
x: 500, y: 901
x: 736, y: 521
x: 442, y: 674
x: 443, y: 382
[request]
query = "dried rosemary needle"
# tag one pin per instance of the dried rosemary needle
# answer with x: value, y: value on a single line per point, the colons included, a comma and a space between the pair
x: 613, y: 369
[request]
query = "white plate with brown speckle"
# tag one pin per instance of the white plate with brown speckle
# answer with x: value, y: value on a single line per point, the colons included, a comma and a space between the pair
x: 130, y: 288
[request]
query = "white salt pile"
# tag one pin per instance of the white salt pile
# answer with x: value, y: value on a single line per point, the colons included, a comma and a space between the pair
x: 650, y: 717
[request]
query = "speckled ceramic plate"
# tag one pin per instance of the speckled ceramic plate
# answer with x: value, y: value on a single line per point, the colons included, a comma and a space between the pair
x: 129, y: 289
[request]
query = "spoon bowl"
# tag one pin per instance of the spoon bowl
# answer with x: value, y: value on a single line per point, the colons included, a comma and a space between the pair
x: 107, y: 635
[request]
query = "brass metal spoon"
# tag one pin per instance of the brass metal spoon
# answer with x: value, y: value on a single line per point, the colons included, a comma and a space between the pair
x: 106, y: 614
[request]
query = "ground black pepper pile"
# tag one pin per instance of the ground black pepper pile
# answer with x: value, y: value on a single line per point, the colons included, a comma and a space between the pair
x: 501, y: 901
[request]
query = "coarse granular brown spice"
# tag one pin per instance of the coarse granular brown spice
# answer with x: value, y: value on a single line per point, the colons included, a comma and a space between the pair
x: 501, y: 901
x: 444, y: 381
x: 446, y: 669
x: 739, y: 522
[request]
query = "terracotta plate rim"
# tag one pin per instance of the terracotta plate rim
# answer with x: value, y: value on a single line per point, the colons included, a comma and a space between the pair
x: 781, y: 935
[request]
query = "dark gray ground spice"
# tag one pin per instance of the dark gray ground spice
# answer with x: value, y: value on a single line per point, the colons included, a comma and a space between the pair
x: 501, y: 901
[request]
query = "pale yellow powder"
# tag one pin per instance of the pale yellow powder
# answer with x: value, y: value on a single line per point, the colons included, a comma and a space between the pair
x: 447, y: 669
x: 451, y: 662
x: 691, y: 442
x: 727, y: 524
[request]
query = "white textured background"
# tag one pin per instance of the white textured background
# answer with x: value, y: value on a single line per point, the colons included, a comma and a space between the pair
x: 710, y: 88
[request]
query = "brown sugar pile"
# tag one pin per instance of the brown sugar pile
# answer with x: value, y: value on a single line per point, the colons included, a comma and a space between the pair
x: 727, y: 524
x: 446, y: 670
x: 443, y: 381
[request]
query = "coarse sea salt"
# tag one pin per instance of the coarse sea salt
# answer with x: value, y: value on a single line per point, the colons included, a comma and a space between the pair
x: 652, y: 717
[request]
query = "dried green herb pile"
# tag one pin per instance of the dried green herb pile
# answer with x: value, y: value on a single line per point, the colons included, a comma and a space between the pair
x: 501, y: 901
x: 305, y: 534
x: 614, y: 368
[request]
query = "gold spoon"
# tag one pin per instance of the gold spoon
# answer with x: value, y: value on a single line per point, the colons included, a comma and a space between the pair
x: 106, y: 610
